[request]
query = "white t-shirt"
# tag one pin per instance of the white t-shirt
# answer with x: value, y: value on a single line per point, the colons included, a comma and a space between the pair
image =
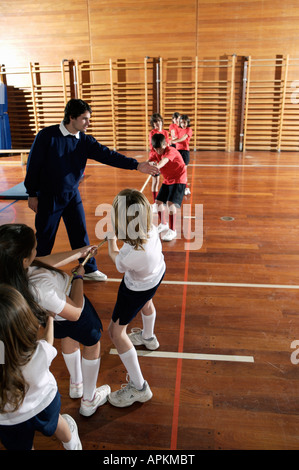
x: 49, y: 288
x: 143, y: 268
x: 42, y: 386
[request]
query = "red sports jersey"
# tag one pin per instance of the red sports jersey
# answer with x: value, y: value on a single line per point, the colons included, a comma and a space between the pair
x: 174, y: 127
x: 180, y: 133
x: 156, y: 131
x: 175, y: 170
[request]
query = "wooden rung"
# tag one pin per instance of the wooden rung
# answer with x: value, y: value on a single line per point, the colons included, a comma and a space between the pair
x: 87, y: 84
x: 17, y: 151
x: 23, y: 154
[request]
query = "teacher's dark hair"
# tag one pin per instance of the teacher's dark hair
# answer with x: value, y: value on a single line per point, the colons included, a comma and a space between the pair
x: 74, y: 109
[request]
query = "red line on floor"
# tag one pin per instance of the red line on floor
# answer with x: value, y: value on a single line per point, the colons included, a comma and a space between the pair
x: 176, y: 405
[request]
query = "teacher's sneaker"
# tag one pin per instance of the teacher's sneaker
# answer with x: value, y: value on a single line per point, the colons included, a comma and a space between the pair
x: 76, y: 445
x: 128, y: 394
x: 137, y: 339
x: 95, y: 276
x: 89, y: 407
x: 169, y: 235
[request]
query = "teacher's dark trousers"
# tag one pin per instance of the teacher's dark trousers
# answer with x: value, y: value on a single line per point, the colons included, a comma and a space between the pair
x: 69, y: 207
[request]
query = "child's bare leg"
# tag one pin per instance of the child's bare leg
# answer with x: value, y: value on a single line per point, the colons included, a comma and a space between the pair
x: 148, y: 308
x: 119, y: 337
x: 63, y: 432
x: 92, y: 352
x: 67, y: 433
x: 69, y: 345
x: 155, y: 183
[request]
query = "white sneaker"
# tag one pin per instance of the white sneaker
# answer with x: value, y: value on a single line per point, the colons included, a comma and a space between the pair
x: 137, y: 339
x: 74, y: 431
x: 128, y: 394
x: 89, y: 407
x: 155, y: 208
x: 95, y: 276
x: 162, y: 227
x: 76, y: 390
x: 187, y: 191
x: 169, y: 235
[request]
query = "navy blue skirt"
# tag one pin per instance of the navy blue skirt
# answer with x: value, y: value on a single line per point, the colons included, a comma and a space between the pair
x: 87, y: 330
x: 130, y: 302
x: 20, y: 436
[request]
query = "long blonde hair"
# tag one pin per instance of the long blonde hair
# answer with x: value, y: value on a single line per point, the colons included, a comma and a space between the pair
x: 128, y: 227
x: 18, y: 334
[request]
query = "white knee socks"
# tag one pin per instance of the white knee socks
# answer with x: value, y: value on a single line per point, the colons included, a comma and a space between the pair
x: 73, y: 364
x: 90, y: 371
x: 86, y: 371
x: 148, y: 322
x: 131, y: 363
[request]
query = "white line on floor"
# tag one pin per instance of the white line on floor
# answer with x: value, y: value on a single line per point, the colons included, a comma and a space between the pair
x: 193, y: 356
x: 223, y: 284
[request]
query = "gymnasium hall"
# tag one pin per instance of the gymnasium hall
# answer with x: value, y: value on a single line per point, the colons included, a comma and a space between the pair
x: 226, y: 373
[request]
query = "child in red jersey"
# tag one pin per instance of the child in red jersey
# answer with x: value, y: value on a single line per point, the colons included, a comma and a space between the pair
x: 174, y: 171
x: 184, y: 134
x: 174, y: 126
x: 157, y: 128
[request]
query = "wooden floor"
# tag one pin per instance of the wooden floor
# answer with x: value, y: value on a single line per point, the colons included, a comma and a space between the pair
x: 236, y: 297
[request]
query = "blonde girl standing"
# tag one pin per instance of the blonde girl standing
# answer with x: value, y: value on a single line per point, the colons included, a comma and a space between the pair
x: 142, y: 262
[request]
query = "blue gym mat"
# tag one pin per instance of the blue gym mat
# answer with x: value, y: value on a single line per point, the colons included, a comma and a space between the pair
x: 16, y: 192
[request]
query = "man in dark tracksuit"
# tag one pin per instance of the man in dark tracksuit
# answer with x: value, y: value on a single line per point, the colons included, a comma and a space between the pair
x: 55, y: 167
